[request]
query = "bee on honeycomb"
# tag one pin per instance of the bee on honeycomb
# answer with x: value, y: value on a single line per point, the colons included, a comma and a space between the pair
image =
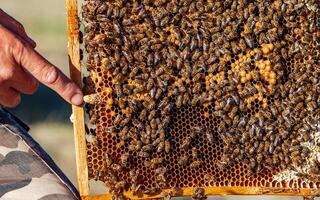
x: 198, y: 92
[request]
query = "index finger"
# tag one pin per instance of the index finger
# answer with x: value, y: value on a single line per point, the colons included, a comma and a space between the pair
x: 48, y: 74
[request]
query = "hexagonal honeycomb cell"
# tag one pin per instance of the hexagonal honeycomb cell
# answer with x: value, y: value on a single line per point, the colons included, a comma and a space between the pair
x: 202, y: 94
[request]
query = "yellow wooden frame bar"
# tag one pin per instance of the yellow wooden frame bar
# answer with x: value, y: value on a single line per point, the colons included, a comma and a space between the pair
x: 78, y: 112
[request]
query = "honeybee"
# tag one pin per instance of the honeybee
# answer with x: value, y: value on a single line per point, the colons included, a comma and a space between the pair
x: 196, y: 88
x: 199, y: 194
x: 157, y: 160
x: 196, y: 77
x: 195, y: 164
x: 193, y: 43
x: 154, y: 136
x: 158, y: 93
x: 179, y: 101
x: 267, y: 114
x: 209, y: 177
x: 150, y: 84
x: 150, y: 59
x: 186, y: 143
x: 125, y: 121
x: 174, y: 191
x: 149, y: 164
x: 195, y: 56
x: 111, y: 129
x: 249, y: 41
x: 144, y: 154
x: 143, y: 115
x: 181, y: 87
x: 183, y: 160
x: 194, y: 153
x: 167, y: 146
x: 242, y: 106
x: 97, y: 175
x: 111, y: 177
x: 177, y: 33
x: 165, y: 121
x: 138, y: 89
x: 147, y: 148
x: 135, y: 145
x: 209, y: 136
x: 167, y: 109
x: 195, y: 130
x: 165, y: 195
x: 233, y: 112
x: 129, y: 57
x: 219, y: 105
x: 162, y: 134
x: 126, y: 89
x: 116, y: 167
x: 160, y: 170
x: 229, y: 104
x: 205, y: 45
x: 135, y: 188
x: 119, y: 185
x: 118, y: 92
x: 161, y: 146
x: 133, y: 174
x: 271, y: 190
x: 222, y: 164
x: 311, y: 106
x: 153, y: 123
x: 152, y: 114
x: 161, y: 179
x: 163, y: 103
x: 138, y: 124
x: 151, y: 190
x: 108, y: 159
x: 152, y: 92
x: 94, y: 98
x: 124, y: 159
x: 274, y: 111
x: 195, y: 99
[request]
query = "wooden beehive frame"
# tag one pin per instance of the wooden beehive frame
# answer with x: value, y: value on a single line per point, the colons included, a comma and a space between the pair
x: 80, y: 141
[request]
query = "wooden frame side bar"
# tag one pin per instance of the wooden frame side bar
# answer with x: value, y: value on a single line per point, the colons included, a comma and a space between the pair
x: 78, y: 112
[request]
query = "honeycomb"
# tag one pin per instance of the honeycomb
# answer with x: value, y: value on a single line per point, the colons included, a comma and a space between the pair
x: 243, y: 106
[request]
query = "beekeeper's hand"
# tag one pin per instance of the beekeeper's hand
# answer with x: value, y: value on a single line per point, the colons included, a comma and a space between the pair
x: 21, y: 67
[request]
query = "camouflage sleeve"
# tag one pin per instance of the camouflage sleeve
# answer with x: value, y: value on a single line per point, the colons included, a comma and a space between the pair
x: 26, y: 171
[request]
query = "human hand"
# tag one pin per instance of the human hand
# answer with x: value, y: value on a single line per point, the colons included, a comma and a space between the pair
x: 21, y: 67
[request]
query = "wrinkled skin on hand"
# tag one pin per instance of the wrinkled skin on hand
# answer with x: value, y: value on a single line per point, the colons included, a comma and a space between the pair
x: 22, y: 67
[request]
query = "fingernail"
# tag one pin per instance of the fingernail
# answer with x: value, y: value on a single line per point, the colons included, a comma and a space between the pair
x: 77, y: 99
x: 52, y: 76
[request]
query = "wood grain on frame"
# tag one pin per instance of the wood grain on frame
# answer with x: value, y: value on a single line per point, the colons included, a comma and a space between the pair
x: 78, y: 112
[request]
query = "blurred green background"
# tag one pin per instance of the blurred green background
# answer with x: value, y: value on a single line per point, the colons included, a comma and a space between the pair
x: 45, y: 112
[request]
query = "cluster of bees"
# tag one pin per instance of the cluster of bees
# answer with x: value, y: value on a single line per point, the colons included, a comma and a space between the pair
x: 255, y: 62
